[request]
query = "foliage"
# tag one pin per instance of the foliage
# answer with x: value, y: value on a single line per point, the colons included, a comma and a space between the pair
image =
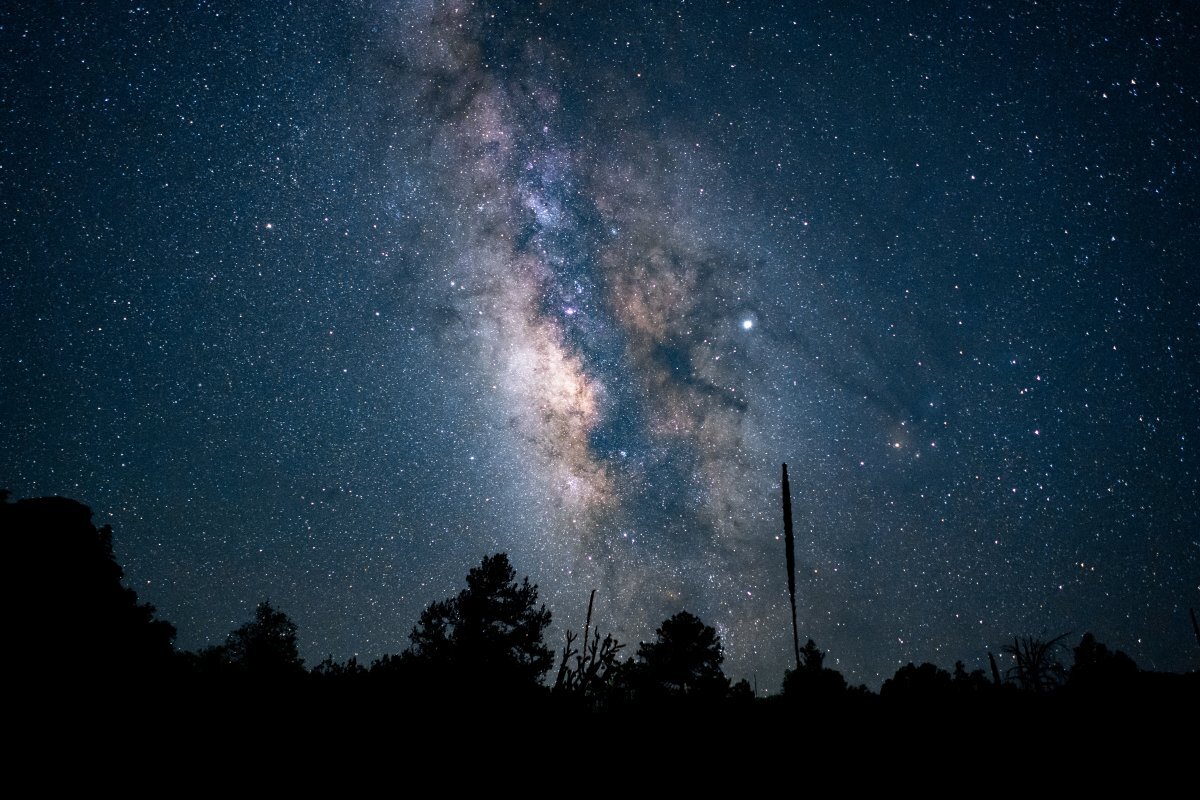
x: 812, y: 659
x: 741, y: 692
x: 813, y: 681
x: 684, y: 661
x: 330, y: 670
x: 264, y: 647
x: 973, y: 682
x: 1098, y: 667
x: 85, y: 621
x: 912, y: 682
x: 88, y: 630
x: 491, y: 633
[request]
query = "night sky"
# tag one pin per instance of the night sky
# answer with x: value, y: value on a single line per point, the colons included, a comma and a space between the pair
x: 324, y: 301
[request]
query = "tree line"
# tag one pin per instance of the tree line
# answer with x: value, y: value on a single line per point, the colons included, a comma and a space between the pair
x: 487, y: 644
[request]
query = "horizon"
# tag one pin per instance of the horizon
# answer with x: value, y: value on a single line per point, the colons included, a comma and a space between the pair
x: 324, y: 305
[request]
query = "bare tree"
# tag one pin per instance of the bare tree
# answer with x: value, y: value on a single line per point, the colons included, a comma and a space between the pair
x: 1037, y: 668
x: 588, y: 673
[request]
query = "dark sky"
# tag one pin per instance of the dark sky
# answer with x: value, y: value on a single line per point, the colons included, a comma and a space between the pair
x: 323, y: 301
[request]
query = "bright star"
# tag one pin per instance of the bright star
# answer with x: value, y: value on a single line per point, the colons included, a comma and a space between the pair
x: 747, y: 324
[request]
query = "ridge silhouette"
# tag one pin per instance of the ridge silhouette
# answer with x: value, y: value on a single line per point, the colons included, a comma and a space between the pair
x: 485, y: 648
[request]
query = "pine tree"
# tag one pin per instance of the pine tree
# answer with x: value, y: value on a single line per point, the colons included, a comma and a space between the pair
x: 684, y: 661
x: 490, y: 634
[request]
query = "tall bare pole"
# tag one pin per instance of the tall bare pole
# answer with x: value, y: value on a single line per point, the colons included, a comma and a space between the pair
x: 789, y: 541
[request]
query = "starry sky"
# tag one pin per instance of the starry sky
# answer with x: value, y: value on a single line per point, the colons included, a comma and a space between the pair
x: 324, y: 301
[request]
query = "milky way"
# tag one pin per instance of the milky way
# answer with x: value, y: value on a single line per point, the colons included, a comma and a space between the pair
x: 607, y: 325
x: 324, y: 304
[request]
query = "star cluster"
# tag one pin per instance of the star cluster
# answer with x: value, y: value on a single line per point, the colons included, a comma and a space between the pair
x: 323, y: 302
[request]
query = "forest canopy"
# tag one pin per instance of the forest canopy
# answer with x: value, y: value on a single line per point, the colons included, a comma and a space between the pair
x: 487, y: 644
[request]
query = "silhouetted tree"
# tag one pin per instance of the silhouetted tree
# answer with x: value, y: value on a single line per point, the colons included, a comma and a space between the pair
x: 683, y: 661
x: 489, y: 635
x: 969, y: 683
x: 812, y: 659
x: 741, y: 692
x: 265, y: 647
x: 589, y: 674
x: 813, y: 682
x: 335, y: 671
x: 82, y: 621
x: 1036, y: 668
x: 1098, y: 668
x: 927, y: 683
x: 996, y: 679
